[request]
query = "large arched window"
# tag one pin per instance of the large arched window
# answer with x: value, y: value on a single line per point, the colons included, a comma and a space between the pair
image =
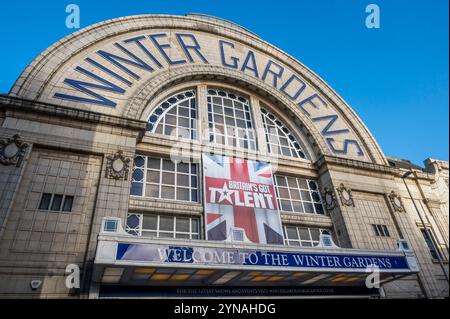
x: 279, y: 138
x: 177, y: 116
x: 230, y: 120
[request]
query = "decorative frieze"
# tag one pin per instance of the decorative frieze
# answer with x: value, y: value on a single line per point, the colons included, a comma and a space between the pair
x: 12, y: 151
x: 396, y: 202
x: 117, y: 166
x: 345, y: 195
x: 329, y: 198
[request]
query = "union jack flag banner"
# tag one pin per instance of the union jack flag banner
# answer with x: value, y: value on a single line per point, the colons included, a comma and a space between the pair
x: 240, y: 194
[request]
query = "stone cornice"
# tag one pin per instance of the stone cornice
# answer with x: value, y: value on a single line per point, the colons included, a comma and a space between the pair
x: 24, y: 105
x: 326, y: 160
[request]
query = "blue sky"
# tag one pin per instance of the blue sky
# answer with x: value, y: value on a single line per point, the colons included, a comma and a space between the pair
x: 395, y: 78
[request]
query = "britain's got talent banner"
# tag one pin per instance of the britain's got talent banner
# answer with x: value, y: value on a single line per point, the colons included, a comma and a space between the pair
x: 240, y: 193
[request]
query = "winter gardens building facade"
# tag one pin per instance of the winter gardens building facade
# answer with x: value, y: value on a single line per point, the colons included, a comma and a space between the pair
x: 185, y: 157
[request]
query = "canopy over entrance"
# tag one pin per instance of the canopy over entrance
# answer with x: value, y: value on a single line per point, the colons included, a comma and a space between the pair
x: 126, y: 265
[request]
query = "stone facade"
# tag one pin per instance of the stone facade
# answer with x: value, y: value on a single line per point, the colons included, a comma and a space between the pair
x: 72, y: 147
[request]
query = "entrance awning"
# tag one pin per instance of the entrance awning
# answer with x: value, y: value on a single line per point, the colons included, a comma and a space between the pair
x: 130, y: 261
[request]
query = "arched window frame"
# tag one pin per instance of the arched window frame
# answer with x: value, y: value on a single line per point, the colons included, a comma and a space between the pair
x: 255, y: 102
x: 158, y: 118
x: 293, y: 147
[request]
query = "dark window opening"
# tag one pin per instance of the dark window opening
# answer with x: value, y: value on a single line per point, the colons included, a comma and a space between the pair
x: 45, y: 201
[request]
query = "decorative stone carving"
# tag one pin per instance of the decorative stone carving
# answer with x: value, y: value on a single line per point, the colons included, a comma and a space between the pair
x: 396, y: 202
x: 117, y: 166
x: 329, y: 198
x: 12, y: 151
x: 345, y: 195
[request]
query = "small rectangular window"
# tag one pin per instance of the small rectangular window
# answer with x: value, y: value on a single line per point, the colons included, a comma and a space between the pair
x: 302, y: 236
x: 68, y: 202
x: 56, y: 202
x: 153, y: 225
x: 431, y: 243
x: 45, y: 201
x: 386, y: 231
x: 381, y: 230
x: 110, y: 226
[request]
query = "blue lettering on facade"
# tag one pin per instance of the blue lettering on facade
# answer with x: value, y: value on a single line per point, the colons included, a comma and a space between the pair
x: 137, y: 41
x: 118, y: 61
x: 332, y: 119
x: 293, y: 87
x: 84, y: 87
x: 220, y: 256
x: 275, y: 75
x: 234, y: 60
x: 195, y: 47
x: 162, y: 48
x: 245, y: 66
x: 105, y: 69
x: 310, y: 101
x: 288, y: 83
x: 344, y: 150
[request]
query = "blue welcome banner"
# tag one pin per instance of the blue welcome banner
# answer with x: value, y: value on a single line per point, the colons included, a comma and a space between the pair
x: 220, y: 256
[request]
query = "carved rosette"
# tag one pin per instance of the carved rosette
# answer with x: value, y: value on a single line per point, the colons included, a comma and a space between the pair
x: 117, y: 166
x: 396, y: 202
x: 12, y: 151
x: 345, y: 195
x: 329, y: 198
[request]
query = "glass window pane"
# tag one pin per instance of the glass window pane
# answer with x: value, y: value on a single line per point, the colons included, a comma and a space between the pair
x: 309, y: 208
x: 168, y: 165
x: 139, y: 161
x: 292, y: 182
x: 168, y: 192
x: 298, y: 207
x: 302, y: 183
x: 281, y: 181
x: 154, y: 163
x: 183, y: 167
x: 152, y: 190
x: 291, y: 233
x: 149, y: 222
x: 319, y: 209
x: 182, y: 224
x: 182, y: 180
x: 295, y: 194
x: 304, y: 233
x: 306, y: 196
x: 56, y: 203
x: 166, y: 223
x: 168, y: 178
x: 182, y: 194
x: 315, y: 234
x: 136, y: 189
x: 45, y: 201
x: 286, y: 205
x: 153, y: 176
x: 67, y: 206
x: 283, y: 192
x: 133, y: 221
x: 194, y: 223
x: 138, y: 175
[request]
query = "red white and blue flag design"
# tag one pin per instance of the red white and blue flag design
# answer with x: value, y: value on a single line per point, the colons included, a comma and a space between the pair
x: 240, y: 194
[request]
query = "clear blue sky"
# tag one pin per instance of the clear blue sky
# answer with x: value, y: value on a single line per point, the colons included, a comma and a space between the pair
x: 395, y: 78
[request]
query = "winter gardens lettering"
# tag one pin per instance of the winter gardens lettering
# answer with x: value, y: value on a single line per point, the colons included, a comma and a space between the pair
x: 129, y: 68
